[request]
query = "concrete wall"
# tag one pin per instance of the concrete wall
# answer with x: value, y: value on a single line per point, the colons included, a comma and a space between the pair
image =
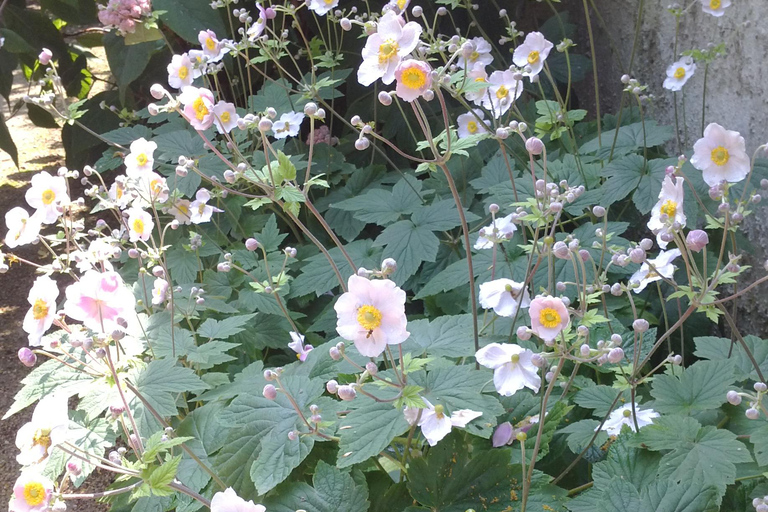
x: 737, y: 87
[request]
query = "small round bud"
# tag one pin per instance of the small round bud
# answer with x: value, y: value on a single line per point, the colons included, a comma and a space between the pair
x: 269, y: 375
x: 522, y: 127
x: 310, y: 108
x: 269, y: 392
x: 502, y: 133
x: 181, y: 171
x: 265, y: 124
x: 615, y: 355
x: 560, y: 286
x: 696, y: 240
x: 315, y: 418
x: 74, y: 468
x: 737, y: 217
x: 598, y: 211
x: 640, y: 325
x: 388, y: 265
x: 646, y: 244
x: 584, y: 350
x: 332, y: 386
x: 560, y: 250
x: 362, y: 144
x: 584, y: 255
x: 637, y: 255
x: 752, y: 413
x: 293, y: 435
x: 549, y: 376
x: 760, y: 387
x: 534, y: 146
x: 223, y: 267
x: 616, y: 339
x: 291, y: 252
x: 523, y: 333
x: 538, y: 361
x: 347, y: 393
x: 371, y: 368
x: 733, y: 397
x: 493, y: 208
x: 27, y: 357
x: 334, y: 353
x: 115, y: 458
x: 252, y: 244
x: 385, y: 98
x: 346, y: 25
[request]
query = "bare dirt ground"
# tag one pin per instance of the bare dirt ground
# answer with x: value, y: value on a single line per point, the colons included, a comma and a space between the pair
x: 40, y: 149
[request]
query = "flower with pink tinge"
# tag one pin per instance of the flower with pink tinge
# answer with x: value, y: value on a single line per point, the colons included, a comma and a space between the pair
x: 549, y: 316
x: 384, y: 49
x: 47, y: 428
x: 504, y: 296
x: 670, y: 203
x: 124, y: 14
x: 31, y: 493
x: 288, y: 125
x: 210, y: 43
x: 530, y: 55
x: 414, y: 78
x: 297, y: 345
x: 46, y: 194
x: 140, y: 225
x: 22, y: 229
x: 321, y: 135
x: 98, y: 300
x: 180, y: 71
x: 654, y: 270
x: 45, y: 56
x: 498, y: 231
x: 503, y: 90
x: 152, y: 188
x: 715, y: 7
x: 721, y: 155
x: 198, y: 106
x: 258, y: 25
x: 229, y: 501
x: 199, y: 209
x: 477, y: 83
x: 225, y: 116
x: 623, y: 416
x: 117, y: 193
x: 322, y: 7
x: 512, y: 367
x: 471, y: 123
x: 159, y: 291
x: 372, y: 315
x: 141, y: 158
x: 435, y: 423
x: 398, y: 6
x: 481, y: 56
x: 39, y: 318
x: 181, y: 211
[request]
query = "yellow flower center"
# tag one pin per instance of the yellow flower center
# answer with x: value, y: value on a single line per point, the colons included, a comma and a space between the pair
x: 225, y: 117
x: 201, y: 208
x: 679, y: 73
x: 549, y: 318
x: 479, y: 79
x: 401, y: 4
x: 156, y: 186
x: 328, y: 2
x: 515, y: 358
x: 200, y: 109
x: 34, y: 493
x: 414, y: 78
x: 669, y: 207
x: 502, y: 92
x: 474, y: 56
x: 533, y: 57
x: 39, y: 309
x: 472, y: 127
x: 439, y: 412
x: 138, y: 226
x: 387, y: 50
x: 183, y: 72
x: 714, y: 4
x: 183, y: 209
x: 369, y: 318
x: 627, y: 413
x: 142, y: 159
x: 42, y: 438
x: 48, y: 196
x: 720, y: 155
x: 210, y: 44
x: 118, y: 192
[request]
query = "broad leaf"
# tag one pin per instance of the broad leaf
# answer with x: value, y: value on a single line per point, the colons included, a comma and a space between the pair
x: 701, y: 387
x: 367, y: 430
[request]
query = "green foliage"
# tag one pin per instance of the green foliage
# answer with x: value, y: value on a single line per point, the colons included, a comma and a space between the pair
x: 701, y: 387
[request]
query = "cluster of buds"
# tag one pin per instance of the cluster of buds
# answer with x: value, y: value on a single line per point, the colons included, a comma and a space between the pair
x: 755, y: 400
x: 606, y: 351
x: 346, y: 392
x: 760, y: 504
x: 632, y: 254
x: 388, y: 267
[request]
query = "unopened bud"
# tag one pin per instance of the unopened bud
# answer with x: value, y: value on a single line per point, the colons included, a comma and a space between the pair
x: 697, y: 240
x: 615, y: 355
x: 332, y: 386
x: 334, y: 353
x: 371, y: 368
x: 760, y: 387
x: 157, y: 91
x: 584, y: 350
x: 640, y: 325
x: 523, y: 333
x: 27, y: 357
x: 560, y: 250
x: 269, y: 392
x: 252, y: 244
x: 534, y: 146
x: 347, y: 393
x: 646, y: 244
x: 752, y: 413
x: 362, y: 144
x: 637, y: 255
x: 73, y: 468
x: 733, y: 397
x: 385, y: 98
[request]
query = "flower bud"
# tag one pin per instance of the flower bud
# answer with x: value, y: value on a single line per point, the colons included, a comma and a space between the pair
x: 371, y: 368
x: 346, y: 25
x: 223, y: 267
x: 640, y: 325
x: 73, y: 468
x: 157, y: 91
x: 502, y: 133
x: 269, y: 392
x: 584, y: 350
x: 560, y: 250
x: 265, y: 124
x: 315, y: 418
x: 584, y: 255
x: 388, y: 265
x: 291, y: 252
x: 385, y: 98
x: 696, y: 240
x: 45, y: 56
x: 534, y: 146
x: 615, y: 355
x: 332, y: 386
x: 334, y: 353
x: 27, y: 357
x: 269, y: 375
x: 752, y: 413
x: 252, y: 244
x: 115, y: 458
x: 347, y: 393
x: 293, y: 435
x: 502, y: 435
x: 538, y: 361
x: 310, y: 108
x: 362, y: 144
x: 760, y: 387
x: 523, y: 333
x: 637, y: 255
x: 181, y: 171
x: 733, y: 397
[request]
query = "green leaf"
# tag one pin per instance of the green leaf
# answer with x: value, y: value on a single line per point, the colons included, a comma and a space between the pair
x: 409, y: 245
x: 630, y: 138
x: 619, y: 496
x: 445, y: 336
x: 156, y: 445
x: 647, y: 193
x: 92, y: 437
x: 223, y: 329
x: 14, y: 43
x: 759, y: 439
x: 600, y: 398
x: 203, y: 426
x: 581, y: 433
x: 188, y: 17
x: 183, y: 265
x: 382, y: 207
x: 636, y: 466
x: 160, y: 479
x: 277, y: 458
x: 701, y: 387
x: 318, y: 277
x: 367, y: 430
x: 661, y: 496
x: 623, y: 177
x: 448, y: 481
x: 128, y: 62
x: 6, y: 141
x: 721, y: 349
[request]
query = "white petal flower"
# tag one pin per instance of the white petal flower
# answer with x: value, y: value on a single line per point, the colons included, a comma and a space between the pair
x: 530, y: 55
x: 210, y: 43
x: 181, y: 211
x: 414, y: 78
x: 288, y: 125
x: 140, y: 225
x: 259, y: 24
x: 503, y: 90
x: 117, y: 193
x: 39, y: 318
x: 623, y: 416
x: 662, y: 267
x: 297, y: 345
x: 141, y: 159
x: 504, y: 296
x: 180, y: 71
x: 46, y: 194
x: 678, y: 73
x: 321, y: 7
x: 159, y: 291
x: 715, y: 7
x: 31, y: 493
x: 152, y: 188
x: 481, y: 56
x: 721, y: 155
x: 471, y: 123
x: 225, y: 116
x: 47, y: 428
x: 229, y: 501
x: 372, y: 315
x: 499, y: 230
x: 512, y: 367
x: 385, y: 49
x: 198, y: 106
x: 199, y: 209
x: 436, y: 424
x: 22, y: 229
x: 670, y: 204
x: 477, y: 79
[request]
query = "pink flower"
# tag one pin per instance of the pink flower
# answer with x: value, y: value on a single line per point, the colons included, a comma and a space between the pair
x: 549, y: 317
x: 46, y: 194
x: 199, y: 209
x: 198, y: 106
x: 22, y: 229
x: 372, y: 315
x: 159, y: 291
x: 39, y: 318
x: 297, y: 345
x: 180, y: 71
x: 383, y: 51
x: 210, y: 43
x: 98, y: 300
x: 225, y: 116
x: 31, y: 493
x: 45, y: 56
x: 414, y: 78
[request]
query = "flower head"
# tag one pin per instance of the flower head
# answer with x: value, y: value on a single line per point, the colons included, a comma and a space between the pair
x: 397, y: 5
x: 45, y: 195
x: 503, y: 90
x: 181, y: 211
x: 504, y: 296
x: 159, y: 291
x: 48, y: 427
x: 31, y: 493
x: 259, y: 24
x: 98, y: 300
x: 512, y: 367
x: 435, y: 422
x: 668, y: 209
x: 198, y: 106
x: 288, y: 125
x: 678, y: 73
x: 715, y: 7
x: 180, y: 71
x: 623, y: 416
x: 141, y: 159
x: 210, y: 43
x: 42, y: 299
x: 372, y: 315
x: 140, y: 225
x: 653, y: 270
x: 530, y: 55
x: 229, y: 501
x: 498, y: 231
x: 199, y: 209
x: 22, y: 229
x: 152, y: 188
x: 480, y: 56
x: 297, y: 345
x: 478, y: 79
x: 385, y: 49
x: 414, y: 78
x: 322, y: 7
x: 225, y: 116
x: 720, y: 155
x: 549, y: 317
x: 471, y: 123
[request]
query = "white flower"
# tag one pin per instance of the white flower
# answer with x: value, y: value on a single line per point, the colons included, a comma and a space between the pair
x: 502, y: 92
x: 385, y: 49
x: 199, y: 209
x: 211, y: 45
x: 198, y: 106
x: 288, y: 125
x: 678, y: 73
x: 180, y: 71
x: 229, y: 501
x: 259, y: 24
x: 471, y: 123
x: 532, y: 53
x: 715, y: 7
x: 297, y: 345
x: 97, y: 256
x: 140, y: 225
x: 48, y: 428
x: 623, y: 416
x: 477, y: 79
x: 152, y: 188
x: 670, y: 203
x: 481, y: 56
x: 225, y: 116
x: 372, y: 315
x: 46, y: 194
x: 435, y: 423
x: 321, y: 7
x: 22, y: 229
x: 512, y: 367
x: 720, y: 155
x: 117, y: 193
x: 504, y: 296
x: 181, y: 211
x: 498, y: 231
x: 42, y: 297
x: 200, y: 61
x: 662, y: 267
x: 159, y: 291
x: 141, y: 159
